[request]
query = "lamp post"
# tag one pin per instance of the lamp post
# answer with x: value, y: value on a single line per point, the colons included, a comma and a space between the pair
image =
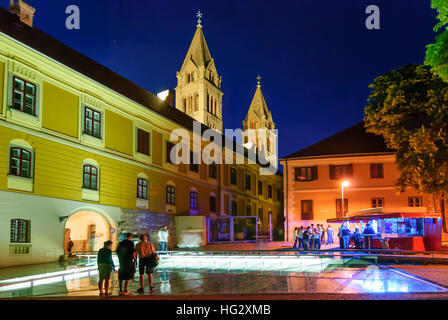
x: 343, y: 185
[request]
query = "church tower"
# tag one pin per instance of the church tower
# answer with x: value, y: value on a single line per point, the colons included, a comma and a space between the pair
x: 198, y: 91
x: 259, y: 117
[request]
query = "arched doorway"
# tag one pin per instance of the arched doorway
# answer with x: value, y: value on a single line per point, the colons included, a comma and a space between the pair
x: 88, y: 230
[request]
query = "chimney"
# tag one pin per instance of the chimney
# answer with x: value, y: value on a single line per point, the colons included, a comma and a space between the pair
x: 23, y: 10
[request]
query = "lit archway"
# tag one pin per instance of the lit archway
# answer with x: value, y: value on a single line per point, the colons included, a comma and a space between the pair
x: 89, y: 230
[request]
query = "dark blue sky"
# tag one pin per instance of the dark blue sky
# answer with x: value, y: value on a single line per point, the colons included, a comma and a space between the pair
x: 316, y: 58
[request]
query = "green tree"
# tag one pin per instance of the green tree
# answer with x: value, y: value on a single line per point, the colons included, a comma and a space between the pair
x: 408, y: 107
x: 437, y: 53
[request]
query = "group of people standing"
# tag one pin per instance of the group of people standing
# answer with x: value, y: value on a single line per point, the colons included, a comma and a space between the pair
x: 311, y: 238
x: 127, y: 254
x: 345, y: 235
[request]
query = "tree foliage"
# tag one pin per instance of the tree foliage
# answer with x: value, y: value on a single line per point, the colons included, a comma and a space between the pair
x: 437, y: 53
x: 408, y: 107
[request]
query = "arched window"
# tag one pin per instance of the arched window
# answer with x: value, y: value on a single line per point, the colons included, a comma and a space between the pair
x: 190, y: 106
x: 170, y: 194
x: 215, y: 113
x: 196, y: 102
x: 234, y: 208
x: 142, y: 188
x: 212, y: 204
x: 20, y: 162
x: 248, y: 210
x: 208, y: 102
x: 193, y: 200
x: 90, y: 177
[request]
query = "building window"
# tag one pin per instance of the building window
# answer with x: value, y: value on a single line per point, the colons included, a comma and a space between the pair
x: 193, y: 200
x: 279, y: 194
x: 212, y: 204
x: 196, y: 102
x: 305, y: 173
x: 307, y: 210
x: 90, y: 177
x: 20, y: 231
x: 234, y: 208
x: 260, y: 214
x: 213, y: 169
x: 20, y: 163
x: 341, y: 172
x: 377, y: 202
x: 142, y: 188
x: 233, y: 176
x: 24, y: 96
x: 184, y: 103
x: 208, y: 102
x: 260, y: 188
x: 170, y: 194
x: 376, y: 171
x: 269, y: 191
x: 92, y: 123
x: 338, y: 208
x: 143, y: 142
x: 193, y: 166
x: 248, y: 182
x: 248, y: 210
x: 169, y: 146
x: 415, y: 202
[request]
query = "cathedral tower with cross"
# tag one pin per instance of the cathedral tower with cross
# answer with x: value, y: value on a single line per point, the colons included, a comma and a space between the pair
x: 260, y: 118
x: 198, y: 91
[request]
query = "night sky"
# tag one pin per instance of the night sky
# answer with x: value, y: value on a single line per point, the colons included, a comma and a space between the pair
x: 316, y: 58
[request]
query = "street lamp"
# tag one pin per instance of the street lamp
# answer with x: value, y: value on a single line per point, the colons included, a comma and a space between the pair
x: 343, y: 185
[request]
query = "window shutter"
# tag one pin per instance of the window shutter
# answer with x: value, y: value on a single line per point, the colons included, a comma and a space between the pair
x: 297, y: 174
x: 332, y: 172
x: 143, y: 142
x: 314, y: 173
x: 350, y: 170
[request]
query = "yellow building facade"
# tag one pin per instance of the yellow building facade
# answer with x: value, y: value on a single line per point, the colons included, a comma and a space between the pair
x: 80, y: 143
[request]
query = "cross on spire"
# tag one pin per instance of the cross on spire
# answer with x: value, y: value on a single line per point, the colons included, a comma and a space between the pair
x: 258, y: 81
x: 199, y: 16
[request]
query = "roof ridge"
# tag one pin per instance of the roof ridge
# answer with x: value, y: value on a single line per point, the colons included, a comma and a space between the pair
x: 352, y: 140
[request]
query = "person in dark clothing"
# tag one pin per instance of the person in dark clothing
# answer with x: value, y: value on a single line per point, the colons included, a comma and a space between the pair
x: 105, y: 267
x: 345, y: 236
x: 126, y: 257
x: 368, y: 233
x: 356, y: 237
x: 306, y: 237
x: 69, y: 247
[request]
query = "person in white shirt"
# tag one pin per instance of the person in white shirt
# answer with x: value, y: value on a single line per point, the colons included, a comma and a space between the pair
x: 300, y: 237
x: 296, y: 239
x: 163, y: 239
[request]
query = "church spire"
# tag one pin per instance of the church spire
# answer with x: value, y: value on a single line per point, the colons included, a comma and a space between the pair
x: 259, y: 117
x: 198, y: 91
x: 258, y: 111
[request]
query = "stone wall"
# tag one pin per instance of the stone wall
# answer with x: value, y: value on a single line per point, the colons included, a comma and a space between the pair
x: 145, y: 222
